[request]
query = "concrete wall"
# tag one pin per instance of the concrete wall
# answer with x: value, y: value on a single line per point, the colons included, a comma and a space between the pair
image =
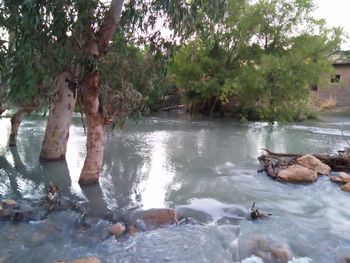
x: 340, y: 91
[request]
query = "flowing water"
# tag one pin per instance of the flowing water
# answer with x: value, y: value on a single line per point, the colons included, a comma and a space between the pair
x: 204, y: 168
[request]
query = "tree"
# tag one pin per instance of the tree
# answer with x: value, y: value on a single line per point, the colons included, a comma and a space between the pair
x: 203, y: 66
x: 266, y: 55
x: 289, y: 55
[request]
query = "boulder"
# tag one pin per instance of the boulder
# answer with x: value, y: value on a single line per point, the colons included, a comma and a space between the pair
x: 345, y: 187
x: 312, y: 163
x: 87, y: 260
x: 117, y: 229
x: 342, y: 178
x: 297, y: 174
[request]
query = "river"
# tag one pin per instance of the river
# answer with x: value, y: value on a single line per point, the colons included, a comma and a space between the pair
x: 204, y: 168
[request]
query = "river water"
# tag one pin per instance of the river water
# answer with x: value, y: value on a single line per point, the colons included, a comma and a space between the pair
x: 204, y: 168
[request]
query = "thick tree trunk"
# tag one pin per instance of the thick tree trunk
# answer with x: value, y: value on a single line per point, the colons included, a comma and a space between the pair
x: 16, y: 120
x: 60, y: 116
x: 89, y: 93
x: 95, y: 126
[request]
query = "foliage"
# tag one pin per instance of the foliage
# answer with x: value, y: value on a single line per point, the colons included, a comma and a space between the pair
x: 267, y: 55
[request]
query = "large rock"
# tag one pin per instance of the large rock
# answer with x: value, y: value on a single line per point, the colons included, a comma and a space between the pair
x: 342, y: 178
x: 297, y: 174
x: 346, y: 187
x: 312, y: 163
x: 87, y: 260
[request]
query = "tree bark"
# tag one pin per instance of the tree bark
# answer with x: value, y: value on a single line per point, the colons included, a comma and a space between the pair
x: 95, y: 127
x: 60, y: 117
x: 16, y: 120
x: 2, y: 108
x: 89, y: 94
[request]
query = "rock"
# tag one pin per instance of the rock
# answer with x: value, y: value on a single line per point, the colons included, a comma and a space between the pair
x: 144, y: 220
x: 38, y: 238
x: 266, y: 247
x: 117, y: 229
x: 132, y: 230
x: 87, y: 260
x: 311, y: 162
x: 345, y: 187
x: 342, y: 178
x: 9, y: 202
x: 344, y: 259
x: 158, y: 217
x: 297, y: 174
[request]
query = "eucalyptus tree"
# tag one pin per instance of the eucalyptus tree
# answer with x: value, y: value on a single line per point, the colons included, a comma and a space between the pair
x: 75, y: 35
x: 21, y: 78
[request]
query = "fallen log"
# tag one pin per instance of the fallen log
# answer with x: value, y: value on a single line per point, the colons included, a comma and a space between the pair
x: 337, y: 162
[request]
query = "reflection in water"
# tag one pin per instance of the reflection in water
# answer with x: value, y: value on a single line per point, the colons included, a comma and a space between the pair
x: 5, y: 130
x: 158, y: 174
x: 203, y: 167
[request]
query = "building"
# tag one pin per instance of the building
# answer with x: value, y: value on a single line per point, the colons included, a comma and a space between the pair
x: 337, y: 90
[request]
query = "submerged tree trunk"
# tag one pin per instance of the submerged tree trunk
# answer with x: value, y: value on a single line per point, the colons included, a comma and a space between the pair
x: 60, y: 116
x: 16, y: 120
x: 2, y: 108
x: 95, y: 126
x: 89, y: 92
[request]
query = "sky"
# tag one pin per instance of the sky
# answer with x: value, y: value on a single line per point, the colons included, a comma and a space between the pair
x: 336, y: 13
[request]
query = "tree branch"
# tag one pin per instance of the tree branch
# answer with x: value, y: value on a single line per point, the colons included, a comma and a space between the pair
x: 107, y: 29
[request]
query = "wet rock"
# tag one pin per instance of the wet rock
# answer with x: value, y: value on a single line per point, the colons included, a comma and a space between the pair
x: 117, y: 230
x: 38, y: 238
x: 87, y: 260
x: 157, y: 217
x: 267, y: 248
x: 344, y: 259
x: 297, y: 174
x: 312, y: 163
x: 342, y: 178
x: 9, y: 202
x: 345, y: 187
x: 150, y: 219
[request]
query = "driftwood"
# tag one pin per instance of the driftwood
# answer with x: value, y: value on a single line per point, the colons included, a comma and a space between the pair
x: 273, y: 162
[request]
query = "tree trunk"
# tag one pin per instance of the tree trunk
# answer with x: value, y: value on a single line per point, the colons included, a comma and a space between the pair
x: 89, y: 92
x: 60, y: 116
x: 16, y: 120
x: 2, y: 108
x: 95, y: 127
